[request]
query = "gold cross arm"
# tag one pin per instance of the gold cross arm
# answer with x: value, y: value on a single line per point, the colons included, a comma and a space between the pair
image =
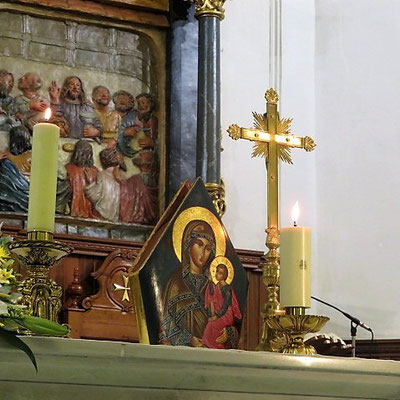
x: 258, y: 135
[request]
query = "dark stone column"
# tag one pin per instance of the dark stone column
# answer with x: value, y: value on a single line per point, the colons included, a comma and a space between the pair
x: 183, y: 121
x: 208, y: 154
x: 208, y: 160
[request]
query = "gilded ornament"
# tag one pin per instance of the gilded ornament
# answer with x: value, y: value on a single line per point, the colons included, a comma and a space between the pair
x: 260, y: 149
x: 271, y: 96
x: 234, y: 131
x: 209, y: 8
x: 294, y: 328
x: 309, y: 144
x: 41, y: 295
x: 272, y: 237
x: 217, y: 194
x: 125, y: 288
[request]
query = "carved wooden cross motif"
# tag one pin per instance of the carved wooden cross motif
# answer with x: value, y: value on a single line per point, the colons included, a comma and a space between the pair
x: 272, y: 140
x: 125, y: 288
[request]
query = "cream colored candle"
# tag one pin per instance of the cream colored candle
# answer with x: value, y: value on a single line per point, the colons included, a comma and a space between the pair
x: 295, y: 275
x: 43, y: 181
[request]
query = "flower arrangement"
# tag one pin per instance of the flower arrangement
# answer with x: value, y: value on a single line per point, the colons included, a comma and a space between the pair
x: 14, y: 317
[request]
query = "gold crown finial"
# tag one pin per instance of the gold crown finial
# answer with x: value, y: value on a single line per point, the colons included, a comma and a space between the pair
x: 309, y: 144
x: 211, y: 8
x: 271, y: 96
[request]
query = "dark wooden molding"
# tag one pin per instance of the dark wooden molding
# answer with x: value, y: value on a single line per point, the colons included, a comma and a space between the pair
x: 381, y: 349
x: 103, y: 247
x: 92, y: 9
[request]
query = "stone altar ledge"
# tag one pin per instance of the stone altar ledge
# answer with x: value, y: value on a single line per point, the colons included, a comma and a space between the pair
x: 88, y: 369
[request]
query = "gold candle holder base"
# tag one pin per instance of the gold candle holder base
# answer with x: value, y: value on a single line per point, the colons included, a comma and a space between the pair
x: 40, y: 294
x: 294, y: 326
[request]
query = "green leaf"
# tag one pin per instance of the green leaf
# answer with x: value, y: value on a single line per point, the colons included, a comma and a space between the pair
x: 3, y: 308
x: 10, y: 324
x: 14, y: 297
x: 8, y: 263
x: 11, y: 339
x: 5, y: 289
x: 42, y: 326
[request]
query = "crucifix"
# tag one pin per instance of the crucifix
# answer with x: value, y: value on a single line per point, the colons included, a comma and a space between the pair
x: 273, y: 141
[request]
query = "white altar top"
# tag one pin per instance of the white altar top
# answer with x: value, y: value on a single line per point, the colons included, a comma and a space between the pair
x: 86, y: 369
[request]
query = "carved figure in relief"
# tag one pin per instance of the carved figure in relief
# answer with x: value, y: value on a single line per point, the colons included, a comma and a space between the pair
x: 30, y: 106
x: 145, y: 105
x: 15, y: 166
x: 139, y: 128
x: 124, y: 103
x: 41, y: 302
x: 81, y: 173
x: 145, y: 161
x: 221, y: 303
x: 105, y: 191
x: 70, y: 102
x: 138, y: 202
x: 62, y: 123
x: 110, y: 119
x: 7, y: 79
x: 7, y: 105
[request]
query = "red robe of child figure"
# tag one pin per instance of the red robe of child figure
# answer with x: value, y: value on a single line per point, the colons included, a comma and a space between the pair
x: 221, y: 301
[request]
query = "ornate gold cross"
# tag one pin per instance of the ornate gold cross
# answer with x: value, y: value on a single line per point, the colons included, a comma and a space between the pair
x: 273, y: 141
x: 125, y: 288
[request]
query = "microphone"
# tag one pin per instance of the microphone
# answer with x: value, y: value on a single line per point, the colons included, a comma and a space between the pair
x: 354, y: 320
x: 357, y: 322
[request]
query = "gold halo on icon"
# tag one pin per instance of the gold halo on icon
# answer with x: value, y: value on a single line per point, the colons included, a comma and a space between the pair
x: 213, y: 269
x: 198, y: 214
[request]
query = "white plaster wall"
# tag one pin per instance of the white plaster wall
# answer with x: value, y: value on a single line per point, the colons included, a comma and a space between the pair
x: 244, y: 79
x: 340, y: 83
x: 357, y: 67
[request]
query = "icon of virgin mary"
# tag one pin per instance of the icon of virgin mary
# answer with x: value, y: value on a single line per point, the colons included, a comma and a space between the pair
x: 198, y: 237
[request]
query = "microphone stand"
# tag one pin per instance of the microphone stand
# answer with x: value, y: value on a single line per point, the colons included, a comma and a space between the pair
x: 354, y: 323
x: 353, y: 332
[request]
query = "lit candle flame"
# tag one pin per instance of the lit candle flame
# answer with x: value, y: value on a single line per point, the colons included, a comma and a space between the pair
x: 47, y: 113
x: 295, y: 213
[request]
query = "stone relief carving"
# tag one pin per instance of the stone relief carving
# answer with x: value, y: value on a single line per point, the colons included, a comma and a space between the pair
x: 109, y: 144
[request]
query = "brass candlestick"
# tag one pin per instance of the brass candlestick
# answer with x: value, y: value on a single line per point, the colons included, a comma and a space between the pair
x: 294, y: 325
x: 39, y: 253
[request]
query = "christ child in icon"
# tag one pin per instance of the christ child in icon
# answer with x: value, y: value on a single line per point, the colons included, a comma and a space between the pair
x: 221, y: 303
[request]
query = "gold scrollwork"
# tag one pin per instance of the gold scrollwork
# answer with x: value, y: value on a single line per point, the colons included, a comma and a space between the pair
x: 271, y: 96
x: 210, y: 8
x: 40, y: 294
x: 217, y: 194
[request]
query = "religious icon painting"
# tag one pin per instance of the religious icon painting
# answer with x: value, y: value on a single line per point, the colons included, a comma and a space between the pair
x: 189, y: 285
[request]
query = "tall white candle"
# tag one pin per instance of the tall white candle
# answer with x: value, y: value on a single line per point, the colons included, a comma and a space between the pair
x: 295, y: 275
x: 43, y: 180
